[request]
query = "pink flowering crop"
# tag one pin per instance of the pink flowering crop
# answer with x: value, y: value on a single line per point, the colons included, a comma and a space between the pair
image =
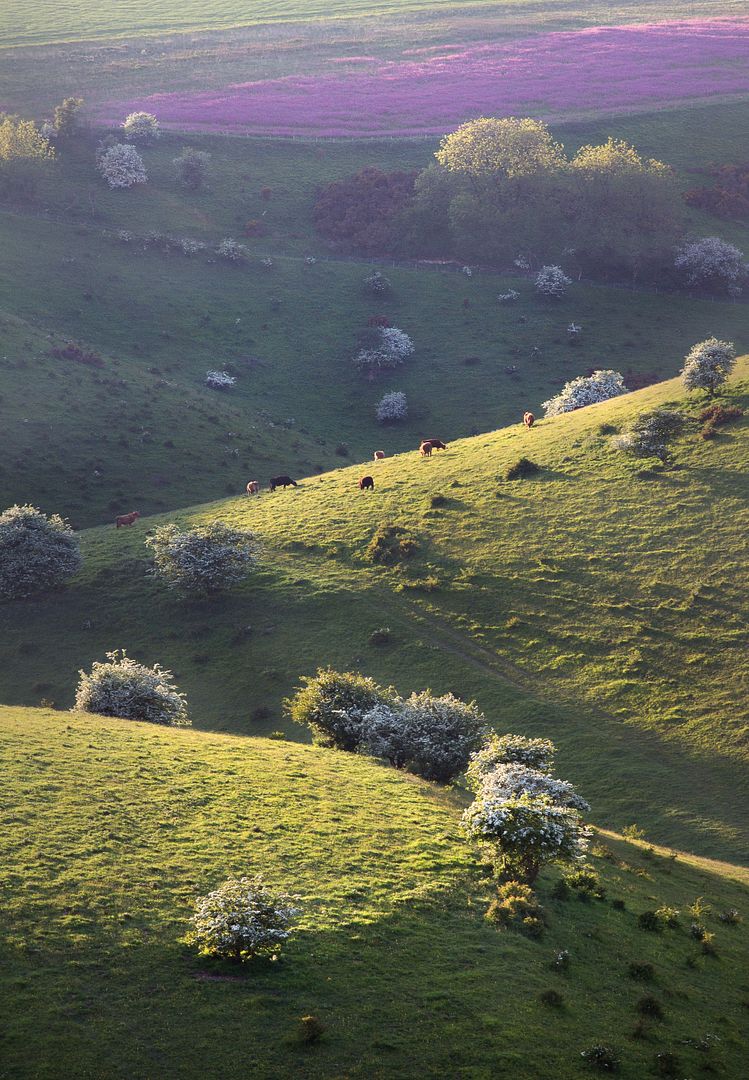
x: 432, y: 91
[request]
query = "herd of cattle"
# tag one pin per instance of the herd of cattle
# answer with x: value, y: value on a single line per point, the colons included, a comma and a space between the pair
x: 366, y: 483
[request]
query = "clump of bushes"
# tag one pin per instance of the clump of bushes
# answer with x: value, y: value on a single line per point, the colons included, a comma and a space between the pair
x: 123, y: 688
x: 332, y: 704
x: 232, y: 251
x: 521, y: 469
x: 552, y: 998
x: 552, y: 281
x: 516, y: 905
x: 716, y: 416
x: 37, y: 552
x: 601, y: 1057
x: 311, y: 1030
x: 389, y: 545
x: 586, y: 390
x: 586, y: 881
x: 78, y: 354
x: 381, y: 636
x: 242, y: 919
x: 641, y: 971
x: 205, y: 559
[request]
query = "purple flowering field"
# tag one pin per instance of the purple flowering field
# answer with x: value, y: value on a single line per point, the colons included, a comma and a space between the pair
x: 430, y: 91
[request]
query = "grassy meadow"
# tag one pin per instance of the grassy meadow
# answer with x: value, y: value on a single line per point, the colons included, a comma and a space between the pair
x: 576, y: 605
x: 110, y: 829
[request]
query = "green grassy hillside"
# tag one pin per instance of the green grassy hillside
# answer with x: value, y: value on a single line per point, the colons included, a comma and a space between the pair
x: 111, y: 828
x: 598, y: 604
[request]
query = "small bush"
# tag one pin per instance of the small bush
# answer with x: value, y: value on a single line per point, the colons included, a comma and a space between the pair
x: 650, y: 1006
x: 648, y: 920
x: 390, y: 544
x: 585, y: 879
x: 699, y: 908
x: 601, y: 1057
x: 697, y: 931
x: 36, y: 552
x: 717, y: 415
x: 522, y: 468
x: 123, y: 688
x: 311, y: 1030
x: 121, y: 166
x: 709, y: 948
x: 552, y: 998
x: 516, y: 905
x: 561, y: 890
x: 381, y: 636
x: 561, y: 961
x: 669, y: 916
x: 332, y: 704
x: 191, y: 168
x: 205, y: 559
x: 641, y: 971
x: 437, y: 501
x: 618, y: 904
x: 242, y: 919
x: 732, y: 916
x: 392, y: 407
x: 667, y: 1064
x: 141, y: 127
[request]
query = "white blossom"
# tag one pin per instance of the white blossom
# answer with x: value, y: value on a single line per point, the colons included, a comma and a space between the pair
x: 506, y: 781
x: 219, y: 380
x: 123, y: 688
x: 204, y: 559
x: 708, y: 364
x: 508, y: 297
x: 712, y: 261
x: 392, y: 407
x: 394, y: 347
x: 36, y: 552
x: 121, y: 166
x: 552, y: 281
x: 141, y: 127
x: 232, y: 251
x: 500, y: 750
x: 586, y: 390
x: 377, y: 283
x: 242, y: 919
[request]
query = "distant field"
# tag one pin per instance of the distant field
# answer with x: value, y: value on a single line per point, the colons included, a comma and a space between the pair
x: 46, y: 21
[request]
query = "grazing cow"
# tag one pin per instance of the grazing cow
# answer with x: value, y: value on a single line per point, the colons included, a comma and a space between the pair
x: 253, y: 488
x: 366, y: 483
x: 426, y: 449
x: 529, y: 419
x: 379, y: 455
x: 281, y: 481
x: 127, y: 519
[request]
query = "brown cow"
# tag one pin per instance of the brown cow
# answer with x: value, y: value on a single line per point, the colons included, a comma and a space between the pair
x: 379, y: 455
x: 127, y: 519
x: 426, y: 449
x: 529, y: 419
x: 253, y: 488
x: 366, y: 483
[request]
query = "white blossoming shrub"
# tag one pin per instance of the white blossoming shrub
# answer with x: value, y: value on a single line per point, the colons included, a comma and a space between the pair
x: 525, y: 832
x: 378, y: 283
x: 204, y: 559
x: 189, y: 247
x: 332, y: 704
x: 393, y: 347
x: 121, y: 166
x: 521, y: 262
x: 500, y: 750
x: 650, y: 434
x: 508, y: 297
x: 219, y: 380
x: 708, y: 364
x: 467, y: 270
x: 507, y: 781
x: 141, y: 127
x: 232, y: 251
x: 242, y: 919
x: 586, y: 390
x: 433, y: 737
x: 121, y: 687
x: 392, y: 407
x: 552, y: 281
x: 36, y: 552
x: 712, y: 262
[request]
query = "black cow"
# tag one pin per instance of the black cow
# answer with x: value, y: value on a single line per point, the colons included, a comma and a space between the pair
x: 281, y: 481
x: 366, y: 482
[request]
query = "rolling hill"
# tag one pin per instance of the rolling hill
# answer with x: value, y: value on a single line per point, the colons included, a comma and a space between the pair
x: 111, y: 828
x: 576, y: 604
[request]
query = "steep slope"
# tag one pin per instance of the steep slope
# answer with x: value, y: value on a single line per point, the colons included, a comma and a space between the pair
x: 111, y: 828
x: 598, y: 603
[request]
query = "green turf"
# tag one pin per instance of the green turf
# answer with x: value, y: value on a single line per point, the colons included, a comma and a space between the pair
x: 578, y: 605
x: 111, y: 828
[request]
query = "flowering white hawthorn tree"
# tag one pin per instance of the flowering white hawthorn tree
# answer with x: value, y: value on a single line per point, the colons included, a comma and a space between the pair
x: 122, y: 687
x: 36, y: 552
x: 392, y: 407
x: 141, y: 127
x: 708, y: 364
x: 204, y: 559
x: 712, y: 262
x: 508, y: 297
x: 219, y: 380
x: 508, y: 750
x: 121, y: 166
x: 242, y: 919
x: 651, y: 434
x: 552, y: 281
x: 393, y: 348
x: 526, y: 832
x: 332, y: 705
x: 378, y: 283
x: 586, y: 390
x: 232, y: 251
x: 507, y: 781
x: 433, y: 737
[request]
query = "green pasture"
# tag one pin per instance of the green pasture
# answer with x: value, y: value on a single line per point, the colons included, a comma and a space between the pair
x: 111, y: 828
x: 597, y: 606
